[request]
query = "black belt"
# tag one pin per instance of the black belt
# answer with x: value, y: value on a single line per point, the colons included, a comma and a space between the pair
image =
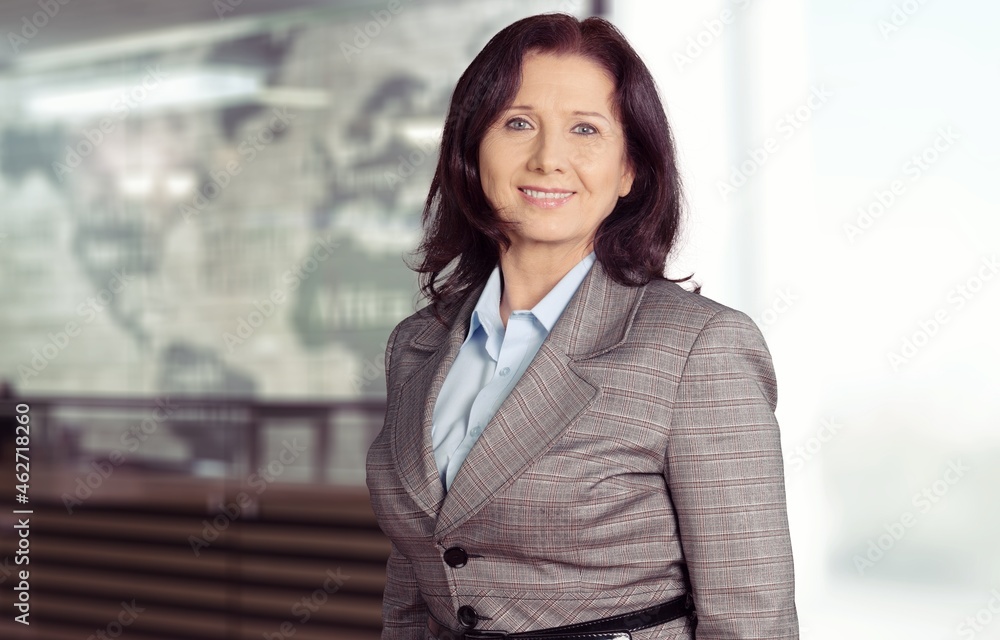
x: 610, y: 628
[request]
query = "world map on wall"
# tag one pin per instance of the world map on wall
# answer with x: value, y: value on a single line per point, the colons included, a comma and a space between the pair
x: 234, y: 295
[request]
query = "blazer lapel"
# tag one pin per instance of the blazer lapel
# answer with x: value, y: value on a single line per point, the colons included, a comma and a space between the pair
x: 554, y: 390
x: 433, y: 349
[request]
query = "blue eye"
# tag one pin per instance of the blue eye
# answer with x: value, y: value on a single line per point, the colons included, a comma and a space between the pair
x: 592, y: 130
x: 518, y: 121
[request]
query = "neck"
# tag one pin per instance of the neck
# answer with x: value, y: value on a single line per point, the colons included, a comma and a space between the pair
x: 528, y: 276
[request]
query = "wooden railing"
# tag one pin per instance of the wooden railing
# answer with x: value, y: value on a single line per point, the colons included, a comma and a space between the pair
x: 201, y: 557
x: 245, y: 419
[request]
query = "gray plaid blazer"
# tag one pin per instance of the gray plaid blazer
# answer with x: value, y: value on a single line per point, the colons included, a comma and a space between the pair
x: 637, y: 458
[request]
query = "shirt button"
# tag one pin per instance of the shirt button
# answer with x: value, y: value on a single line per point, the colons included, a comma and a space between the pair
x: 505, y: 371
x: 477, y: 430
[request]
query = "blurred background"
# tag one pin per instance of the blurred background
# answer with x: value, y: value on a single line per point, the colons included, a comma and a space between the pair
x: 204, y: 210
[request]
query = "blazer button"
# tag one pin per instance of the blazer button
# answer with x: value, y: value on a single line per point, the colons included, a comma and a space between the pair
x: 467, y: 616
x: 456, y: 557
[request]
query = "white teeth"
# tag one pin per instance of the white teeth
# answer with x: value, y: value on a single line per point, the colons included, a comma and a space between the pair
x: 548, y: 196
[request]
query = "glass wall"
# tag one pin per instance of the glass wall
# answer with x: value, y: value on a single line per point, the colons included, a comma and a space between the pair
x: 840, y: 162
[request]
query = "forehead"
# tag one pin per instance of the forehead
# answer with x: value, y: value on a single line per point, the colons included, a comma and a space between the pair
x: 562, y: 78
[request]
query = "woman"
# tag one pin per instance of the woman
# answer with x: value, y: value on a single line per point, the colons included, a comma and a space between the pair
x: 573, y: 444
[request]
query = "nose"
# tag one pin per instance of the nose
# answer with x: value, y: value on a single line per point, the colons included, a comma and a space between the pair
x: 549, y: 153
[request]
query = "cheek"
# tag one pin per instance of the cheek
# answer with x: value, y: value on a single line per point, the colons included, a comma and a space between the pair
x: 491, y: 165
x: 487, y: 152
x: 598, y: 162
x: 589, y: 155
x: 486, y: 180
x: 492, y: 187
x: 601, y: 176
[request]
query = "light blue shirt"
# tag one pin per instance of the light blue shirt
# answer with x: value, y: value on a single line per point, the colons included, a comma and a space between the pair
x: 490, y: 362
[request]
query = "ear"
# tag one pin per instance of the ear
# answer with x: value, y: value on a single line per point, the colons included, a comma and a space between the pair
x: 628, y: 176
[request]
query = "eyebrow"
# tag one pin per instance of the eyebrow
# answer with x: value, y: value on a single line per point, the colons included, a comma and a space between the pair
x: 527, y: 107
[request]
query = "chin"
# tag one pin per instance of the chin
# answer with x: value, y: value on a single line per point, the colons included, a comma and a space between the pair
x: 542, y: 238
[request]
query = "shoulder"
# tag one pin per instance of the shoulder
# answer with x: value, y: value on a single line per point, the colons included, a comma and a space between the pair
x: 412, y: 325
x: 665, y: 305
x: 421, y: 329
x: 706, y: 339
x: 684, y: 326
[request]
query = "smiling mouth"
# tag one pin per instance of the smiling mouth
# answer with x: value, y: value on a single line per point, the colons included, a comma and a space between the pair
x: 546, y: 195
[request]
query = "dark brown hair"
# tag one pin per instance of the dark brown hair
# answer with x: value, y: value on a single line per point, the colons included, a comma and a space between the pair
x: 632, y: 243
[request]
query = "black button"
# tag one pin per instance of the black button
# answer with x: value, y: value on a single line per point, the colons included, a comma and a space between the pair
x: 467, y: 616
x: 456, y: 557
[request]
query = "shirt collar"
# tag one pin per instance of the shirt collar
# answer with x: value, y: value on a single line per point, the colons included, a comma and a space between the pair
x: 486, y: 314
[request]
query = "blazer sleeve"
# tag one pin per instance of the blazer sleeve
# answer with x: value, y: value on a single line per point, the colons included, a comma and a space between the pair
x: 404, y: 613
x: 725, y: 476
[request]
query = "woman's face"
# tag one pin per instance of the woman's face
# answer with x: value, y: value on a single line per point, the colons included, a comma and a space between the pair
x: 555, y: 161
